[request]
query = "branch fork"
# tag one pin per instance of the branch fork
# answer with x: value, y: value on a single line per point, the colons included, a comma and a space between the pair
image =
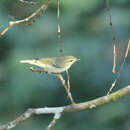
x: 60, y: 77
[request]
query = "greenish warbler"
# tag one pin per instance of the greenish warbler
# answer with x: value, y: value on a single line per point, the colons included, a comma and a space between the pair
x: 53, y: 65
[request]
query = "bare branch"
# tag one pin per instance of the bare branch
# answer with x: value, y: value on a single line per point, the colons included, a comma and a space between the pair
x: 27, y: 114
x: 32, y: 17
x: 52, y: 123
x: 57, y: 111
x: 68, y: 80
x: 60, y: 77
x: 113, y: 36
x: 59, y: 27
x: 99, y: 101
x: 121, y: 68
x: 28, y: 2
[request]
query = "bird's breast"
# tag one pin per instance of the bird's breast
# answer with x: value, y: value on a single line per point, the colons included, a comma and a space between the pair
x: 53, y: 69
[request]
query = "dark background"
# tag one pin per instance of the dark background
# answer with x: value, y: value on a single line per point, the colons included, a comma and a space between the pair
x: 86, y: 35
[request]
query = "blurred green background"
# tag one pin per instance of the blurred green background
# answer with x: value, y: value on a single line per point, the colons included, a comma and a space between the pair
x: 86, y: 35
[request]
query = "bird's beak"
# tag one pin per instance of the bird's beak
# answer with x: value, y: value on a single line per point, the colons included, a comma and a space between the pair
x: 78, y: 59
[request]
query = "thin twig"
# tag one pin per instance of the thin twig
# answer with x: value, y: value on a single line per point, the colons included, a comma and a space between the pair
x: 28, y: 2
x: 60, y: 77
x: 68, y: 86
x: 113, y: 36
x: 57, y: 111
x: 37, y: 13
x: 53, y: 122
x: 27, y: 114
x: 121, y: 68
x: 59, y: 28
x: 68, y: 80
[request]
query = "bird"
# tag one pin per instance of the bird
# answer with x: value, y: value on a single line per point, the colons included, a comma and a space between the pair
x: 53, y: 65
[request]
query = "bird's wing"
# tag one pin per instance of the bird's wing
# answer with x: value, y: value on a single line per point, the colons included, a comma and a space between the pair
x: 58, y: 64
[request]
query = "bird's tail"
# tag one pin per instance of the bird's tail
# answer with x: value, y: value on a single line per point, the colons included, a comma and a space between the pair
x: 32, y: 62
x: 27, y: 61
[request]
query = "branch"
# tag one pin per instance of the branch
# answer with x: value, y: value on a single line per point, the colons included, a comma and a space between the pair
x: 27, y: 114
x: 67, y: 88
x: 113, y: 36
x: 57, y: 111
x: 121, y: 68
x: 36, y: 14
x: 59, y: 27
x: 60, y: 77
x: 28, y: 2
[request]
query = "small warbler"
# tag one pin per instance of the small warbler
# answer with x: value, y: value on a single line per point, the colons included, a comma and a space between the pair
x: 53, y: 65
